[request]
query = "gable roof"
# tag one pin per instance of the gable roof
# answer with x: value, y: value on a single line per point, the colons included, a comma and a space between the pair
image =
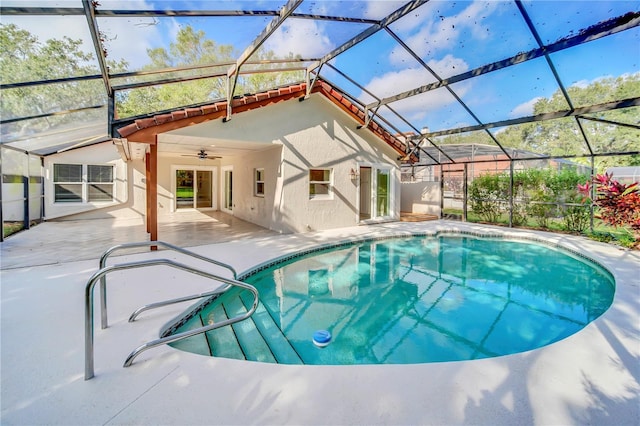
x: 146, y: 129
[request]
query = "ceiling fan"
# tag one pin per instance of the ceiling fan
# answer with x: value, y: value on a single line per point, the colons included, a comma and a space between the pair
x: 202, y: 154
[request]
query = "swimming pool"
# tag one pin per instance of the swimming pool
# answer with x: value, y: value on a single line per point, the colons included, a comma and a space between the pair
x: 408, y: 300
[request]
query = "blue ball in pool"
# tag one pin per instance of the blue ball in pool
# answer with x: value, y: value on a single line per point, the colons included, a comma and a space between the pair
x: 321, y: 338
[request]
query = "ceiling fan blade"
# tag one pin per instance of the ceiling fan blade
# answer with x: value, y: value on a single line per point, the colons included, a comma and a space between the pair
x: 202, y: 154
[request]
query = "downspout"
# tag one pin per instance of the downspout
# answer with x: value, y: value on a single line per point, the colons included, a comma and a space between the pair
x: 42, y: 199
x: 25, y: 193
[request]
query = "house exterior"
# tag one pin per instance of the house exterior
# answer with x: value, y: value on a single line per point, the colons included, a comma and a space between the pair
x: 289, y: 160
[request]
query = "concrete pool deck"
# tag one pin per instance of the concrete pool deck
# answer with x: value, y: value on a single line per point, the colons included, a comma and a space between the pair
x: 592, y: 377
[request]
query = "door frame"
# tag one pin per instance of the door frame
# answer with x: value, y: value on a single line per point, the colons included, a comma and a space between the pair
x: 223, y: 189
x: 373, y: 205
x: 195, y: 168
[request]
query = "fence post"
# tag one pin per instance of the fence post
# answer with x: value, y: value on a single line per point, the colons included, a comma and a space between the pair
x: 464, y: 193
x: 511, y: 193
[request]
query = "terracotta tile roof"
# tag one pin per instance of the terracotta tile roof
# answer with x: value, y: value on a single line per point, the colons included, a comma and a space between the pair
x: 145, y: 129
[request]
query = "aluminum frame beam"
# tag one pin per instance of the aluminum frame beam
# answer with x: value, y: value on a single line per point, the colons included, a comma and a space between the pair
x: 607, y: 106
x: 448, y: 88
x: 612, y: 26
x: 198, y: 77
x: 50, y: 114
x: 124, y: 13
x: 159, y: 71
x: 89, y: 13
x: 232, y: 73
x: 355, y: 83
x: 399, y: 13
x: 552, y: 67
x: 615, y: 123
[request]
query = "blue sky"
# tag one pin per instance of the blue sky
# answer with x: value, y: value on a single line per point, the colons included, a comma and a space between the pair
x: 450, y: 36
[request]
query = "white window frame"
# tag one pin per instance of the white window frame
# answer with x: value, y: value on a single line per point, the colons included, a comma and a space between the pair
x: 258, y: 172
x: 84, y: 183
x: 329, y: 183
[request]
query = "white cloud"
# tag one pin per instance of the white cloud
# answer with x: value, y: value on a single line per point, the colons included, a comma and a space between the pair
x: 449, y: 65
x: 48, y: 27
x: 127, y: 38
x: 581, y: 83
x: 525, y: 109
x: 398, y: 81
x: 130, y: 39
x: 395, y: 82
x: 419, y: 106
x: 300, y: 36
x: 584, y: 83
x: 438, y: 33
x: 377, y: 9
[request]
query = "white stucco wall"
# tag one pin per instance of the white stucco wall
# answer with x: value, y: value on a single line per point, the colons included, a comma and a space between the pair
x: 327, y: 137
x: 313, y: 134
x: 129, y: 192
x: 246, y: 205
x: 287, y: 139
x: 16, y: 166
x: 167, y: 165
x: 421, y: 197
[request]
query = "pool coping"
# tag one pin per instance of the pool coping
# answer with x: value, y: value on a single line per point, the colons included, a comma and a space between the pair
x: 592, y: 377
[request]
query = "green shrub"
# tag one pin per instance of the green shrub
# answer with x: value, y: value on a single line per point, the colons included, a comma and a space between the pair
x: 486, y: 195
x: 542, y: 194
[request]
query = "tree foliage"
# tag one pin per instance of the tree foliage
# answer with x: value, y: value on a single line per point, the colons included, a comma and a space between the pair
x: 25, y: 59
x: 192, y: 48
x: 563, y: 137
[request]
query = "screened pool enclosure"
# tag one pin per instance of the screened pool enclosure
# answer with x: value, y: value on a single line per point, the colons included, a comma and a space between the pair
x: 523, y: 91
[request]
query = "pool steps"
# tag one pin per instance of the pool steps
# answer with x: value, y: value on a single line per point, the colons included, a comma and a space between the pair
x: 257, y: 338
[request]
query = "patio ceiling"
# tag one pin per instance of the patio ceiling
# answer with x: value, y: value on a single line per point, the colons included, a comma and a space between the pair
x: 452, y: 77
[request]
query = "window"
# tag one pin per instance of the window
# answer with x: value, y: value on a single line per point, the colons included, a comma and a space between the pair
x: 77, y: 183
x: 320, y: 183
x: 100, y: 183
x: 67, y: 180
x: 258, y: 187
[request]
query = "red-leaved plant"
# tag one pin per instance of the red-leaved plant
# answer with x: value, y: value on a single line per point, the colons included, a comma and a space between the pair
x: 618, y: 203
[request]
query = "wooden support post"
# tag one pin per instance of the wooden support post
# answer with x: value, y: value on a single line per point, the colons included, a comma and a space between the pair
x: 147, y: 179
x: 152, y: 192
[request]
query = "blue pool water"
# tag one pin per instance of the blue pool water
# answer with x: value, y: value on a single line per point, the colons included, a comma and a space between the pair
x: 415, y: 300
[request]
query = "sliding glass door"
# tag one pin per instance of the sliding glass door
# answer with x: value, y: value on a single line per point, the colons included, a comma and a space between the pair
x: 194, y: 188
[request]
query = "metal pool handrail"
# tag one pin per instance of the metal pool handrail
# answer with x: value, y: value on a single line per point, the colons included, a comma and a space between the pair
x: 89, y: 311
x: 103, y: 280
